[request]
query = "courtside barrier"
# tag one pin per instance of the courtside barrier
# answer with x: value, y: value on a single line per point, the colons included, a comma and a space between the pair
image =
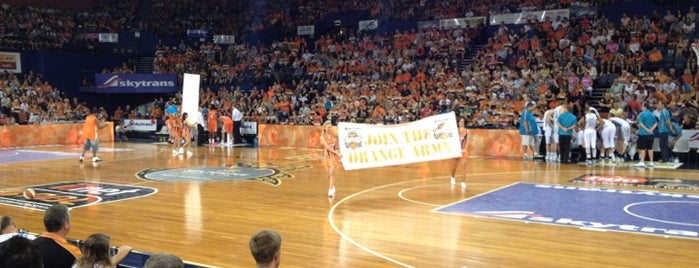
x: 481, y: 142
x: 48, y: 134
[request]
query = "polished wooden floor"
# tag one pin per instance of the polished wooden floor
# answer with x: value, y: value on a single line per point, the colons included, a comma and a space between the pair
x: 380, y: 218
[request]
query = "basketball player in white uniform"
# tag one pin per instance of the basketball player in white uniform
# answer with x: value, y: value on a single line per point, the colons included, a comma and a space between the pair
x: 548, y: 135
x: 608, y: 134
x: 590, y: 135
x: 623, y: 135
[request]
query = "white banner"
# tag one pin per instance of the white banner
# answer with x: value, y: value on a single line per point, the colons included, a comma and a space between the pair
x: 11, y: 62
x: 367, y: 25
x: 367, y: 146
x: 306, y: 30
x: 688, y: 140
x: 248, y: 128
x: 421, y: 25
x: 461, y: 22
x: 523, y: 17
x: 224, y: 39
x: 109, y: 38
x: 141, y: 125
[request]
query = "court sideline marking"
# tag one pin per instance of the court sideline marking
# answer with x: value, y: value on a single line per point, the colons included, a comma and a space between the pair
x: 373, y: 252
x: 453, y: 189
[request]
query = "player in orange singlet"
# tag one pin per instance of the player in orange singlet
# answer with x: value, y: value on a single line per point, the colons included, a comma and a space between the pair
x: 463, y: 136
x: 331, y: 156
x: 227, y: 130
x: 212, y: 124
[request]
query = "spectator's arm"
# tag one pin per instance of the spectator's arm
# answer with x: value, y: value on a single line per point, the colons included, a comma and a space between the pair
x: 122, y: 251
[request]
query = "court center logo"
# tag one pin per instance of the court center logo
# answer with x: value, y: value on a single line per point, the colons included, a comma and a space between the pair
x: 73, y: 194
x: 262, y: 172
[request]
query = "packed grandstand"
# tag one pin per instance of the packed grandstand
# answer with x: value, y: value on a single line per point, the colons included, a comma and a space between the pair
x: 423, y: 58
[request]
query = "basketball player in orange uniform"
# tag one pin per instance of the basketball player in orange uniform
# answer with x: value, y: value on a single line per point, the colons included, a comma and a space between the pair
x: 90, y: 135
x: 212, y: 124
x: 227, y: 130
x: 331, y: 156
x: 463, y: 136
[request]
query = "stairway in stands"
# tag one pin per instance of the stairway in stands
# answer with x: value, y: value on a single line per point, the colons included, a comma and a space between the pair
x: 145, y: 65
x: 470, y: 57
x: 145, y: 8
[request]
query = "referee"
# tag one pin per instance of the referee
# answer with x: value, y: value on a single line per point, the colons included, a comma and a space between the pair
x: 237, y: 117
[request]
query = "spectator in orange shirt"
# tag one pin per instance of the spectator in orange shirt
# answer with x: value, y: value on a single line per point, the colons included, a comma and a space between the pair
x: 655, y: 56
x: 118, y: 114
x: 156, y: 112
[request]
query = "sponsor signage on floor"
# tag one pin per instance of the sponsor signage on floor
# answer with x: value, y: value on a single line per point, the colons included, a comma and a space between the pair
x: 648, y: 212
x: 638, y: 181
x: 73, y: 194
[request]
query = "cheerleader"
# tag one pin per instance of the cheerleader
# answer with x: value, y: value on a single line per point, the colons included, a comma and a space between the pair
x: 463, y: 135
x: 174, y: 128
x: 331, y: 155
x: 186, y: 134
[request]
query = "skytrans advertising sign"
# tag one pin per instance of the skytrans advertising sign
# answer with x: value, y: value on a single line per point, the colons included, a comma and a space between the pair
x: 135, y: 83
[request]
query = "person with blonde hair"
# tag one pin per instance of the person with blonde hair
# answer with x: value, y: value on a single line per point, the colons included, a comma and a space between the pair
x: 331, y: 154
x: 96, y: 253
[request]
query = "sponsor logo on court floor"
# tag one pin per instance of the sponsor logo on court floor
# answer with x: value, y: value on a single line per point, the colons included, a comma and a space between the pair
x: 638, y: 181
x: 73, y: 194
x: 263, y: 172
x: 634, y: 211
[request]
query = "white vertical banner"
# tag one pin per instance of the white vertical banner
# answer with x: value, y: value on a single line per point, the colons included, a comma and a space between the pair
x: 367, y: 146
x: 190, y: 95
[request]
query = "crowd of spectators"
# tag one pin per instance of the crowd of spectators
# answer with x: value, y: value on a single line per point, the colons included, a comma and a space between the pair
x: 282, y: 17
x: 404, y: 76
x: 407, y: 75
x: 28, y: 99
x: 52, y: 248
x: 31, y: 28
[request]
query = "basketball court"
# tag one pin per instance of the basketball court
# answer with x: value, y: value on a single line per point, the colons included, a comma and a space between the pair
x: 513, y: 213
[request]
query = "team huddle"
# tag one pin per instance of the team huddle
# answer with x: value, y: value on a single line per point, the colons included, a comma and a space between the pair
x: 599, y: 140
